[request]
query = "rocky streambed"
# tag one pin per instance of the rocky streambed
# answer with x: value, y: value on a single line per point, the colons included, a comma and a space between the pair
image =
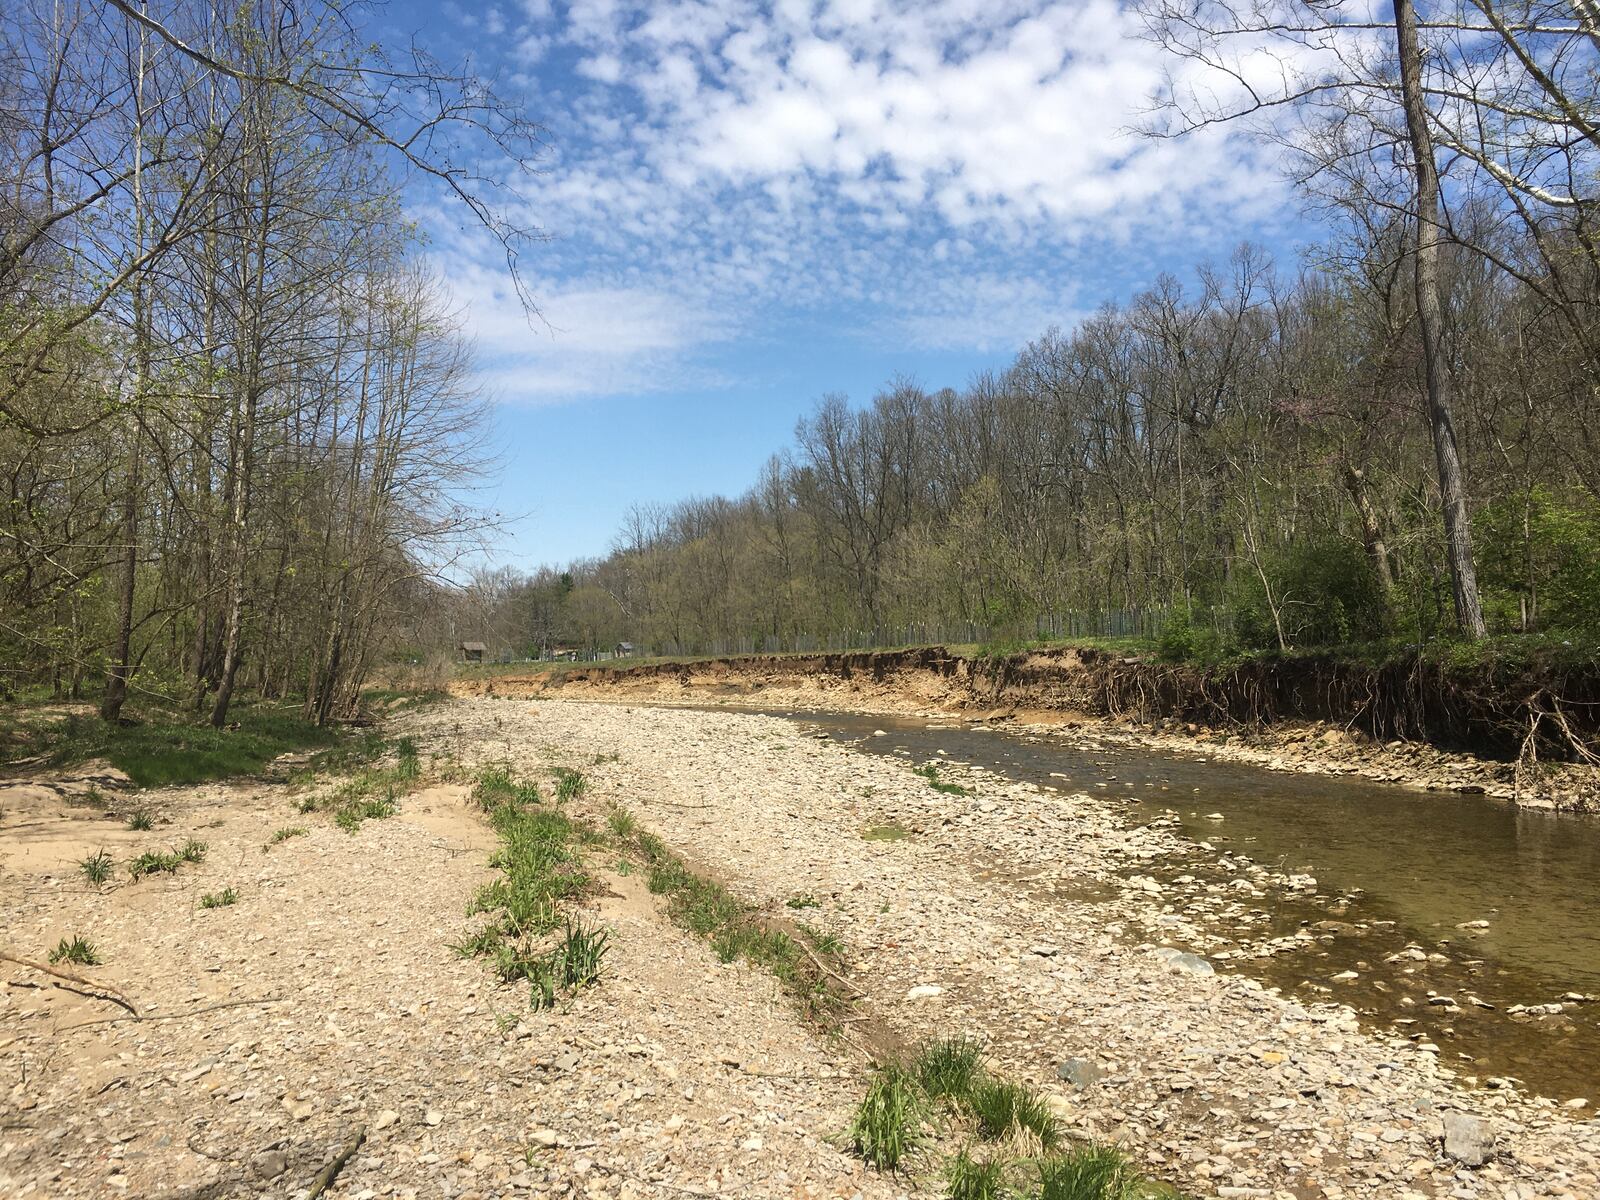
x: 1043, y: 921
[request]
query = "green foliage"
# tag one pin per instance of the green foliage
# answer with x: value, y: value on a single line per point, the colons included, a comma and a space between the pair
x: 968, y: 1178
x: 96, y: 868
x: 280, y: 836
x: 1182, y: 639
x: 1540, y: 556
x: 806, y: 901
x: 141, y: 821
x: 223, y: 899
x: 1090, y: 1173
x: 1325, y: 591
x: 621, y: 823
x: 1003, y: 1108
x: 888, y: 1122
x: 407, y: 766
x: 930, y: 772
x: 570, y: 784
x: 949, y: 1068
x: 571, y: 965
x: 78, y: 950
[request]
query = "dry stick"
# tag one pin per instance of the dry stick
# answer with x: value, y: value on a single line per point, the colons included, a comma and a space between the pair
x: 104, y: 990
x: 337, y: 1165
x: 821, y: 966
x: 193, y: 1012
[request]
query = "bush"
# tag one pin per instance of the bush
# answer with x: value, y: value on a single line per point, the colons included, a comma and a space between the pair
x: 1326, y: 594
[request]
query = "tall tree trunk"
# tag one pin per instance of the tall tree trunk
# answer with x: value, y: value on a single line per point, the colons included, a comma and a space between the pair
x: 116, y: 693
x: 1355, y: 482
x: 1430, y: 318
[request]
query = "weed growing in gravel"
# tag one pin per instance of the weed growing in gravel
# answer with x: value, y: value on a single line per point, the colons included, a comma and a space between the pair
x: 96, y: 868
x: 407, y: 765
x: 220, y: 899
x: 154, y: 862
x: 802, y: 902
x: 192, y: 851
x: 621, y: 822
x: 283, y: 835
x: 570, y: 784
x: 888, y: 1122
x: 949, y: 1068
x: 733, y: 928
x: 1092, y: 1173
x: 540, y: 869
x: 349, y: 815
x: 1003, y: 1108
x: 571, y: 965
x: 78, y: 950
x: 969, y: 1178
x: 141, y: 821
x: 930, y: 772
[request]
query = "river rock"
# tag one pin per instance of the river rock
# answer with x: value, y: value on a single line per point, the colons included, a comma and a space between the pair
x: 1468, y: 1139
x: 1081, y: 1072
x: 1184, y: 962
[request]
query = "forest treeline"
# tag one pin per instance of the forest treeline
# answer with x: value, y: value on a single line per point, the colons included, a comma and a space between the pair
x: 236, y: 413
x: 1252, y: 459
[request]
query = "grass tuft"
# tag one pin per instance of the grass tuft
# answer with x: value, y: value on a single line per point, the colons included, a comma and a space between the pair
x: 570, y: 784
x: 192, y: 851
x: 141, y: 821
x: 888, y: 1122
x: 227, y: 896
x: 96, y: 868
x: 930, y: 772
x: 969, y: 1178
x: 1091, y: 1173
x: 283, y: 835
x: 154, y: 862
x: 1003, y: 1108
x: 621, y: 823
x: 949, y: 1068
x: 78, y: 950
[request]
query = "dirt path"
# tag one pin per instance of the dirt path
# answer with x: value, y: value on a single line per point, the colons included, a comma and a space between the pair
x: 679, y: 1076
x: 1005, y: 914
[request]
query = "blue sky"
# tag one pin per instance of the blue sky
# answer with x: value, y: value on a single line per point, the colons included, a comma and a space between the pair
x: 751, y: 205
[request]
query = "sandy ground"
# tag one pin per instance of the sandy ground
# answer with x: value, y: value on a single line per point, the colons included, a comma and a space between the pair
x: 1005, y: 914
x: 678, y: 1076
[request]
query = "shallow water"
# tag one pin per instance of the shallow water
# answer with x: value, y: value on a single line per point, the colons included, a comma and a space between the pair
x: 1395, y: 867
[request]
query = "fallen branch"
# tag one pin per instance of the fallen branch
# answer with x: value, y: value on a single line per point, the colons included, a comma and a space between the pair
x: 103, y: 990
x: 193, y: 1012
x: 337, y: 1165
x: 855, y: 992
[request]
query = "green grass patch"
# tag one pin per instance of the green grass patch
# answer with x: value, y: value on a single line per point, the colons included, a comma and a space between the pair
x: 78, y: 950
x: 802, y: 902
x: 169, y: 746
x: 1089, y: 1173
x: 540, y: 869
x: 279, y: 836
x: 930, y: 772
x: 570, y: 784
x: 949, y: 1068
x: 888, y: 1121
x: 968, y: 1178
x: 1003, y: 1108
x: 141, y: 821
x: 223, y: 899
x: 736, y: 930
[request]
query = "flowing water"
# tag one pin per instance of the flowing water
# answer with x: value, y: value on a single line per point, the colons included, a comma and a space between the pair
x: 1401, y: 873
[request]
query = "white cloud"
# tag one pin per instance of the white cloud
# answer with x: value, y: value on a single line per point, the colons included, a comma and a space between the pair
x: 961, y: 168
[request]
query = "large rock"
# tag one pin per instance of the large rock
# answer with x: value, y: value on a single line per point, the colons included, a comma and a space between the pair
x: 1468, y: 1139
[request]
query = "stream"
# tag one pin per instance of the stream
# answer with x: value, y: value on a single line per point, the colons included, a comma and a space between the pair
x: 1450, y: 909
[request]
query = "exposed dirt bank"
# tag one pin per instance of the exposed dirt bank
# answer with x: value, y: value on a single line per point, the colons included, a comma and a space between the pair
x: 1009, y: 914
x: 1405, y: 728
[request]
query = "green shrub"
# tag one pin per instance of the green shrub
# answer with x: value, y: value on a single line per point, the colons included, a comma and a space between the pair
x: 1003, y: 1108
x: 949, y: 1068
x: 969, y: 1178
x: 78, y: 950
x: 1092, y: 1173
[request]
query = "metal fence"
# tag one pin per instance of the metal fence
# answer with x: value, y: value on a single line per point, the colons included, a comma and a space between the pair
x: 1142, y: 623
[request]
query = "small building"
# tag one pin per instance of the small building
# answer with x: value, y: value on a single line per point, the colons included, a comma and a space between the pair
x: 473, y: 652
x: 624, y: 649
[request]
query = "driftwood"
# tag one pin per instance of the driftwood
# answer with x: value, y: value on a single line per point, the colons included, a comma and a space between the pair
x: 104, y: 990
x: 332, y: 1170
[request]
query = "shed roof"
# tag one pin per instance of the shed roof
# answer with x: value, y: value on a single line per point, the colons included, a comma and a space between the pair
x: 473, y: 646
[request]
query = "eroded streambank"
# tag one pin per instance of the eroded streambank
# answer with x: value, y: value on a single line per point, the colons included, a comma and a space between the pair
x: 1414, y: 726
x: 1009, y: 912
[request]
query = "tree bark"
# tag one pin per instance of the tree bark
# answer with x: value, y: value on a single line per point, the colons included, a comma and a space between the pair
x: 1430, y: 318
